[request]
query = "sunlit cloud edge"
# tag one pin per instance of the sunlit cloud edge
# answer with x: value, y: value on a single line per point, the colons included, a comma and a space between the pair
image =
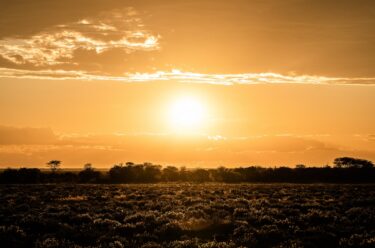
x: 187, y: 77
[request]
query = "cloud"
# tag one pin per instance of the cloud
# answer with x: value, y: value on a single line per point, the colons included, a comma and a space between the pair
x: 115, y: 45
x: 247, y: 78
x: 121, y: 29
x: 251, y: 36
x: 186, y: 77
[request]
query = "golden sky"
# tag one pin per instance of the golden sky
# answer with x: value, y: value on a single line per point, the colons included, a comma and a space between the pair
x: 195, y: 83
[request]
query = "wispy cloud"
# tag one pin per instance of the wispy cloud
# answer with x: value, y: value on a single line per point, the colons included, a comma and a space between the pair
x: 54, y: 54
x: 246, y: 78
x: 57, y: 45
x: 186, y: 77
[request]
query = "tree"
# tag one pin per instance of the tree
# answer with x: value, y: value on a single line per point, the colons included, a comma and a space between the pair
x: 183, y: 174
x: 87, y: 166
x: 300, y: 166
x: 170, y: 173
x: 151, y: 172
x: 117, y: 174
x: 348, y: 162
x: 88, y: 174
x: 54, y: 165
x: 200, y: 175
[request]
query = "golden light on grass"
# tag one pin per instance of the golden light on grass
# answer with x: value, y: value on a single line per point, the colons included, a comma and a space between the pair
x: 187, y: 114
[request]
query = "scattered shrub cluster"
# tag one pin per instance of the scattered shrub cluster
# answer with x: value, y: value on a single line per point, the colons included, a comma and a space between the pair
x: 187, y: 215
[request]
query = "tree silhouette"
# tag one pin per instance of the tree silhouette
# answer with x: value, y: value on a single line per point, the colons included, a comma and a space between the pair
x: 348, y: 162
x: 117, y: 174
x: 170, y: 174
x: 54, y: 165
x: 200, y: 175
x: 346, y: 170
x: 87, y: 166
x: 88, y: 174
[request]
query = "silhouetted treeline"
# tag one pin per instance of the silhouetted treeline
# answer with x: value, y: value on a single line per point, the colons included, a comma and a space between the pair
x: 345, y: 170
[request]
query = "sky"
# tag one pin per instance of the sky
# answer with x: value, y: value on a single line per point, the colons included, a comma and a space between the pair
x: 187, y: 83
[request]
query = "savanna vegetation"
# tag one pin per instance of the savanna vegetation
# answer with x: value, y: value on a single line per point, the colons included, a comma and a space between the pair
x: 344, y: 170
x: 146, y: 205
x: 187, y: 215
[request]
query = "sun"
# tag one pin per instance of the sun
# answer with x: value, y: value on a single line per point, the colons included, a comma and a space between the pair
x: 187, y: 114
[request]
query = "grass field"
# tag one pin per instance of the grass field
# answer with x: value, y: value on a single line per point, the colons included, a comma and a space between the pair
x: 187, y: 215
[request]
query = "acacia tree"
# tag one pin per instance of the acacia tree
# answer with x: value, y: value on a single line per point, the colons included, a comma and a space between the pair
x: 54, y: 165
x: 348, y: 162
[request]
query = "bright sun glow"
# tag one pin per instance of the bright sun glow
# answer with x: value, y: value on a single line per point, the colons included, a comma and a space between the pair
x: 187, y: 114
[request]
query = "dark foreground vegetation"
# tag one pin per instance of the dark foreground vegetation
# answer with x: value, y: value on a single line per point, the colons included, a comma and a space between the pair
x: 187, y: 215
x: 345, y: 170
